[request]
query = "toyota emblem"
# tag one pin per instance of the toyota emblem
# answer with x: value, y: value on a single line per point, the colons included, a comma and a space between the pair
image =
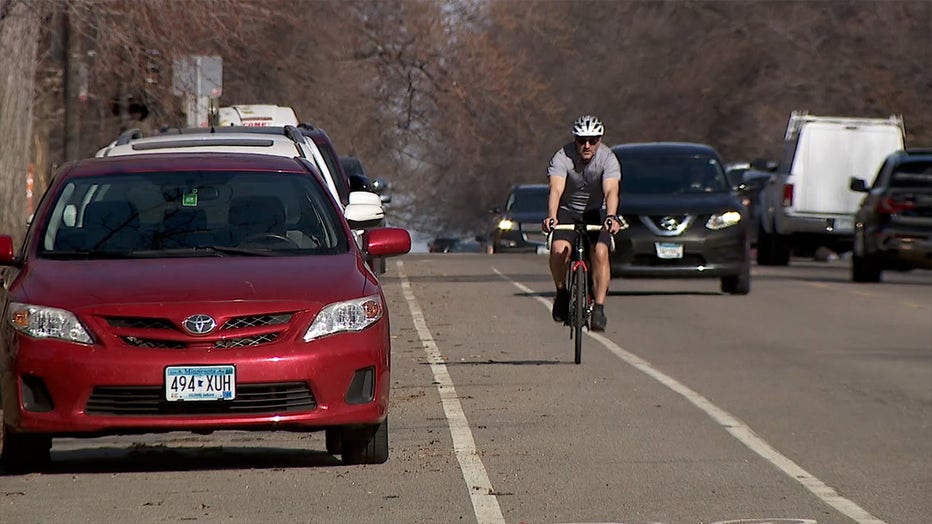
x: 200, y: 324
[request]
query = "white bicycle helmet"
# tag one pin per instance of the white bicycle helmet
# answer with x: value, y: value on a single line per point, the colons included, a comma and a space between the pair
x: 588, y: 126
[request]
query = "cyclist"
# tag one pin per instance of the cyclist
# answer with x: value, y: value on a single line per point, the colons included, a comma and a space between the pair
x: 585, y: 180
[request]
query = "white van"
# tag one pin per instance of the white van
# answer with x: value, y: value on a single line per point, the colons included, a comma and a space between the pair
x: 256, y: 115
x: 807, y: 203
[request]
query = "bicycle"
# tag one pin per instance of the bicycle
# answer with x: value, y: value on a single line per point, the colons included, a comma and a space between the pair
x: 579, y: 278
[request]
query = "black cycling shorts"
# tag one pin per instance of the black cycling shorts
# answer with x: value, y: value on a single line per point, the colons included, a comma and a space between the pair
x: 592, y: 216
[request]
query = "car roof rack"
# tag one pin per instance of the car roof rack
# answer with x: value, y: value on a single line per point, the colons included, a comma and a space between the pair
x: 292, y: 132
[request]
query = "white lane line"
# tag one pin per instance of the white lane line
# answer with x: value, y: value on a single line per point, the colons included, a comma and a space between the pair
x: 484, y: 501
x: 733, y: 425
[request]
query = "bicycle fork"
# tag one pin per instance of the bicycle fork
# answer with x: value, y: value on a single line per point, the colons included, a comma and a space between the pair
x: 575, y: 267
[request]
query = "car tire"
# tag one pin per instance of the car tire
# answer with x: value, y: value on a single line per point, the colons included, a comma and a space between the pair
x: 771, y: 249
x: 24, y: 452
x: 334, y: 440
x: 365, y: 445
x: 864, y: 268
x: 739, y: 284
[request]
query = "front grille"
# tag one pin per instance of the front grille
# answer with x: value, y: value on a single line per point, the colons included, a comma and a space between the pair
x: 257, y: 320
x: 532, y: 233
x: 161, y: 333
x: 252, y: 399
x: 141, y: 323
x: 245, y: 341
x: 152, y: 343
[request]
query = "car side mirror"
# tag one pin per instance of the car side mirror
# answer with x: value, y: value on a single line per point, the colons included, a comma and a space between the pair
x: 364, y: 210
x: 858, y: 184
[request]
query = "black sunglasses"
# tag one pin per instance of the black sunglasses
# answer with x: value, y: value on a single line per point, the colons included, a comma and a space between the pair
x: 591, y: 140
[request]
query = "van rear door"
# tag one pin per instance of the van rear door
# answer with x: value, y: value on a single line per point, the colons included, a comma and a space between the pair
x: 828, y: 154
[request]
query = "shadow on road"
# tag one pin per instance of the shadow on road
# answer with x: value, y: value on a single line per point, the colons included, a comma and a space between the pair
x: 137, y: 458
x: 493, y: 362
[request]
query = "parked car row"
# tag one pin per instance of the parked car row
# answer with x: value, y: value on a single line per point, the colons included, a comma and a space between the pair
x: 199, y: 280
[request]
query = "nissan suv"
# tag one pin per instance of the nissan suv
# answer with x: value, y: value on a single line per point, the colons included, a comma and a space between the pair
x: 893, y: 225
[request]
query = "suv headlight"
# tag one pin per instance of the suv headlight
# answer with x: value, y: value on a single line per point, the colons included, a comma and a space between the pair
x: 48, y: 322
x: 351, y: 315
x: 505, y: 224
x: 723, y: 220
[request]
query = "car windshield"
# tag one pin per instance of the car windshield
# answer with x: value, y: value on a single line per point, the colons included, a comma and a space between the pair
x: 913, y: 175
x: 672, y: 174
x: 152, y: 214
x: 528, y: 200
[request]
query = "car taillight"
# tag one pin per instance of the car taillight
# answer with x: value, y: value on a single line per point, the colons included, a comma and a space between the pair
x: 787, y: 195
x: 892, y: 205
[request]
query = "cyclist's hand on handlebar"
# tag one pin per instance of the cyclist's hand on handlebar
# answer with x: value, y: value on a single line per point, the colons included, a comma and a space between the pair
x: 611, y: 224
x: 547, y: 225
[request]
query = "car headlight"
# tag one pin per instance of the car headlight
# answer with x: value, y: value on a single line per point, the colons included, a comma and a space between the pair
x: 48, y: 322
x: 505, y: 224
x: 723, y: 220
x: 351, y: 315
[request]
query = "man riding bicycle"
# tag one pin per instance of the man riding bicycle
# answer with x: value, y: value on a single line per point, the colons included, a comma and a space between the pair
x: 585, y: 180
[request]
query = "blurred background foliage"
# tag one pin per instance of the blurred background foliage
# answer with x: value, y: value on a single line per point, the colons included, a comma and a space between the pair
x: 454, y: 101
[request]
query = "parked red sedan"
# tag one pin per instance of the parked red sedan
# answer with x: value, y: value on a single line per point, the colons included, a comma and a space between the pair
x: 196, y: 292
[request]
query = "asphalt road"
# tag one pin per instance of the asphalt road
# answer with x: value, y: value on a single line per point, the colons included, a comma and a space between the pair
x: 809, y: 400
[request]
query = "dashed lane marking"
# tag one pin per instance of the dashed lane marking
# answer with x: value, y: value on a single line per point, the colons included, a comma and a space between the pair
x: 731, y: 424
x: 484, y: 502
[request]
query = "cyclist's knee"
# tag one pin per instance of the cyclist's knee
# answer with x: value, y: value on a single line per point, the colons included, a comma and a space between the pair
x: 601, y: 251
x: 560, y: 248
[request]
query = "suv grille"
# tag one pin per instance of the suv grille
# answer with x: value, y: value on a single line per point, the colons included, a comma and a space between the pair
x: 250, y: 399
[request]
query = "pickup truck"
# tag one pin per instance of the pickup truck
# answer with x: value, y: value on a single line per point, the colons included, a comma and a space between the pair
x: 807, y: 203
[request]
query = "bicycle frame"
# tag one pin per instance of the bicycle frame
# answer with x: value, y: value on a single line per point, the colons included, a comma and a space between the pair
x: 578, y: 282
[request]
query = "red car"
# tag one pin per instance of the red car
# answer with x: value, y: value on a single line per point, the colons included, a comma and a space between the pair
x: 199, y: 292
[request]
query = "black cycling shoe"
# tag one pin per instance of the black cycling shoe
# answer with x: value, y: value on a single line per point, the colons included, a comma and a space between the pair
x: 561, y: 305
x: 597, y: 321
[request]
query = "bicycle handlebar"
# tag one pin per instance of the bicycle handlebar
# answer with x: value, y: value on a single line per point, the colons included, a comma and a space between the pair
x: 589, y: 227
x: 572, y: 227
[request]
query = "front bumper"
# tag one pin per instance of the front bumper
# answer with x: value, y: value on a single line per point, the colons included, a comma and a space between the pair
x: 65, y: 389
x: 705, y: 253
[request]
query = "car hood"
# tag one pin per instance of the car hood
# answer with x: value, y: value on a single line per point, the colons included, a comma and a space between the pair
x: 692, y: 204
x: 285, y: 282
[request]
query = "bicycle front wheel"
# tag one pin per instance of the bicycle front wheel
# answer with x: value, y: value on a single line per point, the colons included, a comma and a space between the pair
x: 580, y: 305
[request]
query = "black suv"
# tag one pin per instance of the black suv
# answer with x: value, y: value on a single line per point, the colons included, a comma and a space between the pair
x: 685, y: 218
x: 893, y: 226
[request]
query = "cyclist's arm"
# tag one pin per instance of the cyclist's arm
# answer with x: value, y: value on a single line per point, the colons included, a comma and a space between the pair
x: 610, y: 187
x: 557, y: 185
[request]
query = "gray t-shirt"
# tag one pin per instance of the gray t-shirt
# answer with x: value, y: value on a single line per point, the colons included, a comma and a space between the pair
x: 583, y: 190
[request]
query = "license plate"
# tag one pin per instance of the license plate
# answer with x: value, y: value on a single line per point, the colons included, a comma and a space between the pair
x: 193, y: 383
x: 668, y: 251
x: 845, y: 225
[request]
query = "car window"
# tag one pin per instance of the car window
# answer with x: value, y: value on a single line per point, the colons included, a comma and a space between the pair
x: 192, y: 214
x: 333, y: 165
x: 913, y: 174
x: 673, y: 174
x: 528, y: 200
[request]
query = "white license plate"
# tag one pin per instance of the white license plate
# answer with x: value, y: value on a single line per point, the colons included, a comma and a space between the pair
x: 668, y: 250
x: 845, y: 225
x: 192, y: 383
